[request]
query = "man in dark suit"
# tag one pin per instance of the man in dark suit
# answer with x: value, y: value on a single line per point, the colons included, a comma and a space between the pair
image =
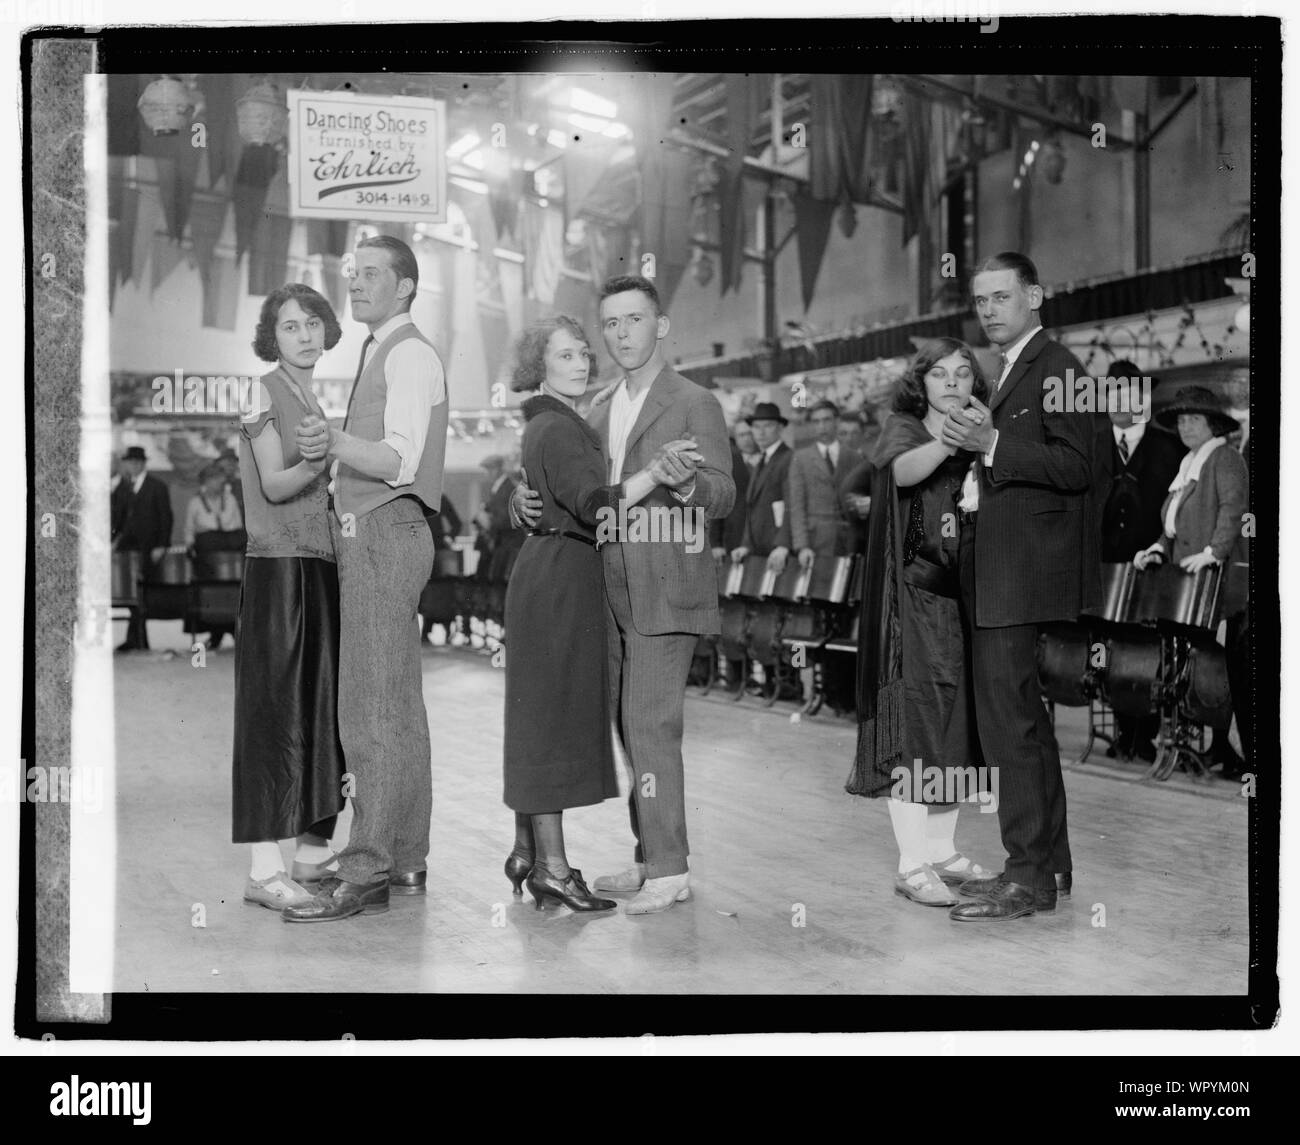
x: 726, y: 533
x: 1136, y: 460
x: 767, y: 524
x: 661, y: 594
x: 1031, y: 558
x: 141, y: 509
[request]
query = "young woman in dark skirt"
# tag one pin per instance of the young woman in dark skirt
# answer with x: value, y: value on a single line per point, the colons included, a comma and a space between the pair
x: 288, y: 762
x: 558, y: 741
x: 916, y: 727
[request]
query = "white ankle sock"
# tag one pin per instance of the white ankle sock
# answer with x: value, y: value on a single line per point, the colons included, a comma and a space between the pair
x: 266, y: 860
x: 909, y: 831
x: 940, y: 830
x: 311, y: 853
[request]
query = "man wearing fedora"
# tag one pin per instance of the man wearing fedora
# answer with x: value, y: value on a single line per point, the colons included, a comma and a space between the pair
x: 141, y: 514
x: 767, y: 523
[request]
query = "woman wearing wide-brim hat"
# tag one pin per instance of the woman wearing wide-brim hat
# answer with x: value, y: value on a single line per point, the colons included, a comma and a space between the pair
x: 1202, y: 513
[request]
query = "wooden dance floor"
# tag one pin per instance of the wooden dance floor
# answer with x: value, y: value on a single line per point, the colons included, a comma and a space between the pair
x: 793, y: 878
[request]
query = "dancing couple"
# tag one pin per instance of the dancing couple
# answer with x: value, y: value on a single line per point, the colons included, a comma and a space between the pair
x: 602, y: 635
x: 982, y: 530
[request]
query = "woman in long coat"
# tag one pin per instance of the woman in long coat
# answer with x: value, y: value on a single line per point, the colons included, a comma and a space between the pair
x: 558, y: 742
x: 916, y: 731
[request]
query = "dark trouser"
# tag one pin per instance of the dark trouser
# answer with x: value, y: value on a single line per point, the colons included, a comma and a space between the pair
x: 137, y: 635
x: 383, y: 725
x: 1016, y: 737
x: 647, y: 687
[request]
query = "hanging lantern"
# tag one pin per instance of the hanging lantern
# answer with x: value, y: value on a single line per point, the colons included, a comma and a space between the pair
x: 262, y: 115
x: 165, y: 106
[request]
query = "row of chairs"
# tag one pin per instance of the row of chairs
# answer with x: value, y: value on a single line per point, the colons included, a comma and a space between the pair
x: 202, y: 592
x: 781, y: 623
x: 1149, y: 648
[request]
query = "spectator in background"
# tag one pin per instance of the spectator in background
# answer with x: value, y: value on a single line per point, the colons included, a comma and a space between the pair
x: 1240, y: 641
x: 726, y: 533
x: 767, y: 528
x: 141, y: 521
x: 213, y: 524
x: 743, y: 435
x: 501, y: 542
x: 1202, y: 514
x: 850, y: 432
x: 1136, y: 461
x: 855, y: 489
x: 229, y: 464
x: 818, y: 526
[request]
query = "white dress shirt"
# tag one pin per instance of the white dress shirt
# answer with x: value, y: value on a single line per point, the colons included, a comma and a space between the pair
x: 830, y: 452
x: 623, y: 412
x: 970, y: 489
x: 416, y: 383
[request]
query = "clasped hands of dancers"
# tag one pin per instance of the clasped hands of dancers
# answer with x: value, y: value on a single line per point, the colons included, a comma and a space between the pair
x: 602, y: 636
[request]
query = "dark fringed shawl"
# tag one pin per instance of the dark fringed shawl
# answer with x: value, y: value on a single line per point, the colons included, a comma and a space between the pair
x: 880, y: 690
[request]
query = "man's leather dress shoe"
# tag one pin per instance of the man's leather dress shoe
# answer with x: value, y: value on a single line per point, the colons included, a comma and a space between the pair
x: 1003, y: 902
x: 335, y: 899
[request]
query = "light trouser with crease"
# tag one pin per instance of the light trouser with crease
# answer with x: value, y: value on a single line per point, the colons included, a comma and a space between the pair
x: 647, y: 683
x: 383, y: 725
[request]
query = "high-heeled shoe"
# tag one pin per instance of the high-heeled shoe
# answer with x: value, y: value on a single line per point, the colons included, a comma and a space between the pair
x: 517, y: 868
x: 572, y: 892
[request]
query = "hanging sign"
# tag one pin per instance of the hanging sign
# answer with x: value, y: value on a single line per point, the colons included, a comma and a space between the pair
x: 371, y: 157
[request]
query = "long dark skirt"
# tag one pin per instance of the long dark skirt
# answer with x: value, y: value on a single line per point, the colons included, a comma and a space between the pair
x: 941, y: 760
x: 288, y: 762
x: 558, y: 747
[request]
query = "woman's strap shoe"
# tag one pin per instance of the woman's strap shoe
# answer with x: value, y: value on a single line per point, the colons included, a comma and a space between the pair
x: 571, y: 891
x: 276, y: 892
x: 958, y: 869
x: 924, y: 885
x: 517, y: 868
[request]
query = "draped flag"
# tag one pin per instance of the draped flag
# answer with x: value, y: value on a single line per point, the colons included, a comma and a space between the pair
x: 839, y: 138
x: 813, y: 226
x: 744, y: 98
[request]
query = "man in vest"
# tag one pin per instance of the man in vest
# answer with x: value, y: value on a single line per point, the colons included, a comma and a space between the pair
x: 387, y: 474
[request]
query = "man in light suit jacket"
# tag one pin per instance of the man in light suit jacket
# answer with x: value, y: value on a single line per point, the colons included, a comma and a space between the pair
x: 814, y: 503
x: 661, y: 594
x: 1032, y: 558
x: 767, y: 523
